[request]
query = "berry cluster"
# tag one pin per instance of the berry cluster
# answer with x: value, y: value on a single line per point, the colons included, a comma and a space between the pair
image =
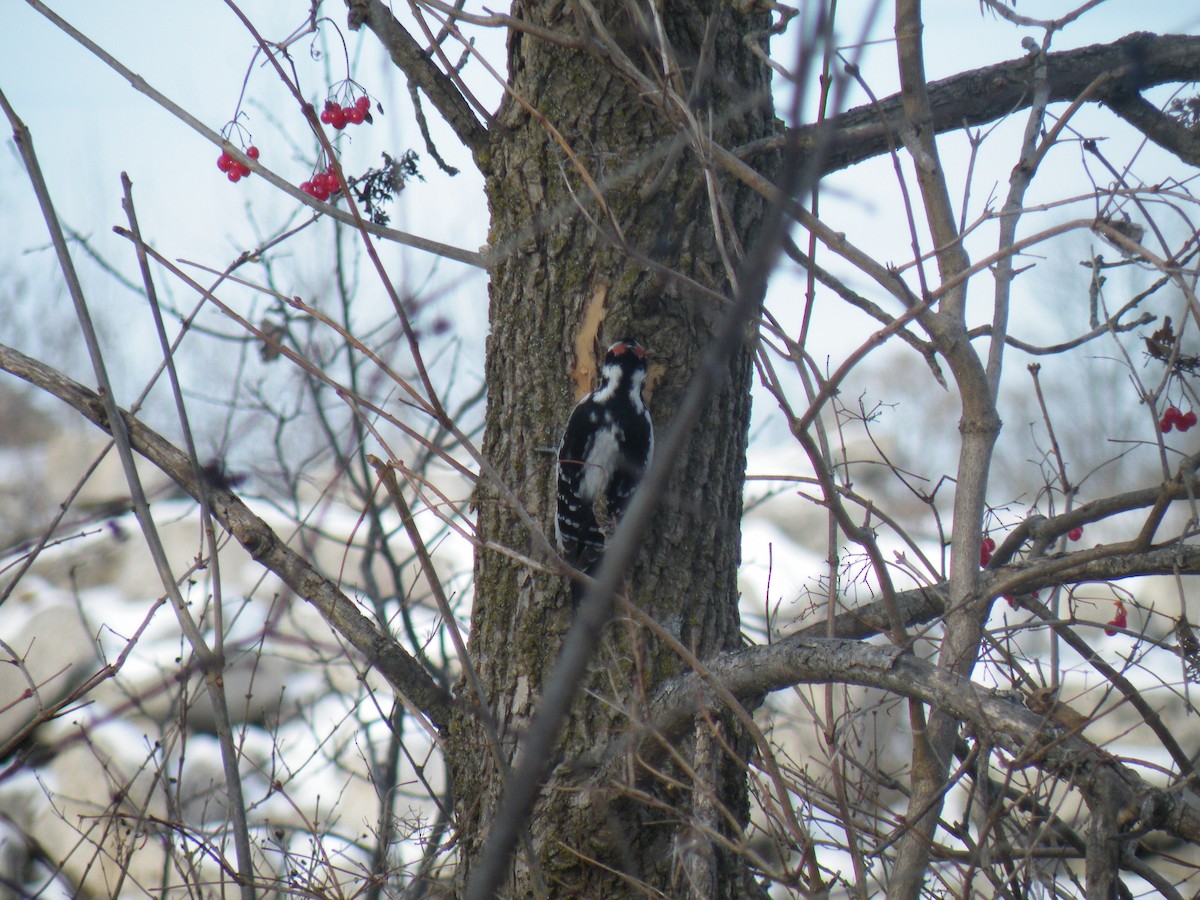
x: 340, y: 116
x: 322, y: 185
x: 235, y: 171
x: 1173, y: 418
x: 1119, y: 620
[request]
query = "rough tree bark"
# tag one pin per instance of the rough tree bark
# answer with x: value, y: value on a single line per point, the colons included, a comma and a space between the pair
x: 562, y: 286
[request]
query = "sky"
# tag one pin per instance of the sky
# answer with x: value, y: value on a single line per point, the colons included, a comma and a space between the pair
x: 89, y: 124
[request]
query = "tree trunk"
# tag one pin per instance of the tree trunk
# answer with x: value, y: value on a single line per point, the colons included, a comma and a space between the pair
x: 561, y: 290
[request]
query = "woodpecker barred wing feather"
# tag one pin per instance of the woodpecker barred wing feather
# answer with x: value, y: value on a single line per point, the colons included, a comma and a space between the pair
x: 575, y: 526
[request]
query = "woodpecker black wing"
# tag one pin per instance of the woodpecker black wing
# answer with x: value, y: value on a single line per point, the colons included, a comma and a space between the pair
x: 636, y: 438
x: 576, y: 528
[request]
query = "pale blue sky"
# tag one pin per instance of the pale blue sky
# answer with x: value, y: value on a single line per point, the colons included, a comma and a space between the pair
x: 88, y: 125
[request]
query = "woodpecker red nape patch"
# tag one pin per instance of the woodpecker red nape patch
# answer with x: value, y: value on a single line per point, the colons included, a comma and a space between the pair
x: 620, y: 348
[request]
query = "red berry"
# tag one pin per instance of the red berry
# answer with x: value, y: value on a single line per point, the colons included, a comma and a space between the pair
x: 307, y: 187
x: 338, y: 118
x: 245, y: 170
x: 326, y: 116
x: 1119, y: 620
x: 234, y: 175
x: 224, y: 161
x: 1075, y: 533
x: 986, y: 548
x: 1187, y: 420
x: 363, y: 103
x: 252, y: 152
x: 355, y: 116
x: 1171, y: 418
x: 320, y: 192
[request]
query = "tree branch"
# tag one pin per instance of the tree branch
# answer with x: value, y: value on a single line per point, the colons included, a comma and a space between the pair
x: 752, y: 672
x: 408, y: 56
x: 918, y: 606
x: 401, y: 670
x: 1166, y: 131
x: 933, y: 736
x: 1139, y: 61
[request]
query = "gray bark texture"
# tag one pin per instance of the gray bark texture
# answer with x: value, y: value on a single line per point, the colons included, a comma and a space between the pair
x: 564, y: 284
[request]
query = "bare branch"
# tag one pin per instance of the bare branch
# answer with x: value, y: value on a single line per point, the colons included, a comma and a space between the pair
x: 1166, y: 131
x: 993, y: 92
x: 749, y: 674
x: 406, y: 53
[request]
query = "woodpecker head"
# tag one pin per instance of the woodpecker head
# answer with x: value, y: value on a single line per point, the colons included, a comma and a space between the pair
x: 627, y: 353
x: 624, y: 358
x: 624, y: 369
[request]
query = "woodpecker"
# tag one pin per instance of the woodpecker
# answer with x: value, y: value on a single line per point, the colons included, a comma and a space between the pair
x: 605, y: 450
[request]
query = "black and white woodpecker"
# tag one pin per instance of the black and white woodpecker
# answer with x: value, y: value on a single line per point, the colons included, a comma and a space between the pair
x: 605, y: 450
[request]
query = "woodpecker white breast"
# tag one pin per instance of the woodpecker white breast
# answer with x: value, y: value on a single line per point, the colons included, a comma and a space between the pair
x: 604, y: 453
